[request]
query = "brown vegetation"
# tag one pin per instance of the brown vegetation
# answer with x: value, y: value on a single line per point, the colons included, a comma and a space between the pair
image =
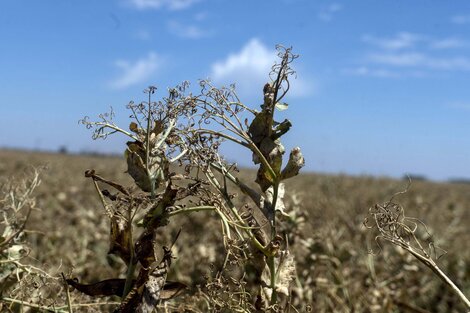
x: 335, y: 272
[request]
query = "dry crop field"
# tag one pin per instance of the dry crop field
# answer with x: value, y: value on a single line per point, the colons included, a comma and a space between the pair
x: 67, y: 233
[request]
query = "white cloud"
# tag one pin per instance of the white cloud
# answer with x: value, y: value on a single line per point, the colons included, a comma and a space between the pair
x: 187, y: 31
x: 400, y: 41
x: 326, y: 14
x: 136, y: 72
x: 406, y: 40
x: 158, y: 4
x: 414, y: 59
x: 409, y: 54
x: 460, y: 19
x: 249, y: 69
x: 398, y: 59
x: 367, y: 71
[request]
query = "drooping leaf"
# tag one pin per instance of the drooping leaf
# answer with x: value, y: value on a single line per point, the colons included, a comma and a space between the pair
x: 259, y: 128
x: 158, y: 165
x: 115, y: 287
x: 264, y: 178
x: 107, y: 287
x: 120, y: 237
x: 272, y: 151
x: 135, y: 157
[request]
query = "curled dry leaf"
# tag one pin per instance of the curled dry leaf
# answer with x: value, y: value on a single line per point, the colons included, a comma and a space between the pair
x: 135, y: 157
x: 120, y: 237
x: 266, y: 203
x: 284, y: 276
x: 286, y: 273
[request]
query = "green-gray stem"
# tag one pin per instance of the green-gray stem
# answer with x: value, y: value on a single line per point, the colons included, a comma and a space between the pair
x: 272, y: 271
x: 192, y: 209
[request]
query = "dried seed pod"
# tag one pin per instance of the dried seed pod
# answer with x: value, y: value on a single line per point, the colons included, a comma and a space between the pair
x: 295, y: 163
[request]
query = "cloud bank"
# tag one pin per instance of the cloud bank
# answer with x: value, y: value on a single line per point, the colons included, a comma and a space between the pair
x: 411, y: 55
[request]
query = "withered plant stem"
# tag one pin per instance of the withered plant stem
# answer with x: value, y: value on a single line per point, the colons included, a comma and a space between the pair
x: 103, y: 201
x: 192, y: 209
x: 147, y: 145
x: 69, y: 300
x: 32, y: 305
x: 436, y: 269
x: 273, y: 208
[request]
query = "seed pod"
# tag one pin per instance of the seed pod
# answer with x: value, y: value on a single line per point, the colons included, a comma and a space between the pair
x: 295, y: 163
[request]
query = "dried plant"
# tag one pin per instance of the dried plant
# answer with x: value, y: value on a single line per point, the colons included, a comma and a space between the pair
x: 185, y: 131
x: 17, y: 274
x: 392, y: 225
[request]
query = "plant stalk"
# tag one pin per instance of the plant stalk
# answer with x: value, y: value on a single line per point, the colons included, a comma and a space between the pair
x: 433, y: 266
x: 272, y: 271
x: 32, y: 305
x: 452, y: 285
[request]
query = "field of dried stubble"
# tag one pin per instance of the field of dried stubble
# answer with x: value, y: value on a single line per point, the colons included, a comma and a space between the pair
x: 335, y: 271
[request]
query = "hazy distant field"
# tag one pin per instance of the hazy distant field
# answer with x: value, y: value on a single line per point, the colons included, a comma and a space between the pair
x: 336, y: 274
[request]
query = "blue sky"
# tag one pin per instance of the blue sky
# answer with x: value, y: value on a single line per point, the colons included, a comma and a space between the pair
x: 382, y: 87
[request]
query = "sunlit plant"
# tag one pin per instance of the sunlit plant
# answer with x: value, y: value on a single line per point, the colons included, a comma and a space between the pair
x: 185, y: 130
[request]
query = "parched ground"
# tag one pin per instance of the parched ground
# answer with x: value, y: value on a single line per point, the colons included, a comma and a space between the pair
x: 335, y: 271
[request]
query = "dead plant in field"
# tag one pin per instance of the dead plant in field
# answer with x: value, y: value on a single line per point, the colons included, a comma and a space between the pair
x: 392, y: 225
x: 185, y: 130
x: 21, y: 283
